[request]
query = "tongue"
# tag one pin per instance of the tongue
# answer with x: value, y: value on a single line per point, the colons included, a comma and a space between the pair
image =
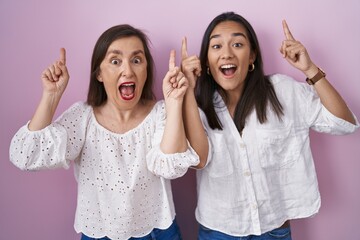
x: 127, y: 90
x: 229, y: 71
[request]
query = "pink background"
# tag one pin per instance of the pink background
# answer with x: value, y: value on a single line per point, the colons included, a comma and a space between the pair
x: 41, y: 205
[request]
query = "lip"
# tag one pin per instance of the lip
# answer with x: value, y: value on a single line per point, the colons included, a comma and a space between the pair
x: 125, y: 91
x: 230, y: 67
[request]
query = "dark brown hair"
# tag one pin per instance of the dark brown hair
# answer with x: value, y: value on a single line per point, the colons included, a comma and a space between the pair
x: 258, y: 90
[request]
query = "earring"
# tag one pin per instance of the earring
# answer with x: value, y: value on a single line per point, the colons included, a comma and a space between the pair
x: 208, y: 71
x: 251, y: 67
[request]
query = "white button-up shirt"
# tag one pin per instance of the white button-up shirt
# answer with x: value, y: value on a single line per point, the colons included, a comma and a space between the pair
x: 255, y: 182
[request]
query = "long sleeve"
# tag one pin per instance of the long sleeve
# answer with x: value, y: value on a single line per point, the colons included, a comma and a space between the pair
x: 54, y: 146
x: 169, y: 166
x: 318, y: 117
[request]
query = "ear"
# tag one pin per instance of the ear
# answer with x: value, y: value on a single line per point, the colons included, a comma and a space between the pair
x: 99, y: 78
x: 252, y: 57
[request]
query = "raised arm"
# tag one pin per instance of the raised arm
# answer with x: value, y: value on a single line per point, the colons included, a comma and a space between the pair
x: 194, y: 129
x: 296, y: 54
x: 54, y: 81
x: 174, y: 88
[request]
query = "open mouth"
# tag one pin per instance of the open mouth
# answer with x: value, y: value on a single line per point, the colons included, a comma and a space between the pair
x: 228, y: 69
x: 127, y: 91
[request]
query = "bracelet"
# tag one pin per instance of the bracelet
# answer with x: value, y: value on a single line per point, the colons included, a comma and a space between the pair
x: 320, y: 74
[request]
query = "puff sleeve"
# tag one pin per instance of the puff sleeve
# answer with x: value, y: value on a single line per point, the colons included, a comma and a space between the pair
x: 169, y: 166
x: 54, y: 146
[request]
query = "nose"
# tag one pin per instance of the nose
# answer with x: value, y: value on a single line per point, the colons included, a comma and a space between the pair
x: 126, y: 69
x: 227, y: 52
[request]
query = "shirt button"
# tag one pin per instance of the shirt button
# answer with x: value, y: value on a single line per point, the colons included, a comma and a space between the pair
x: 247, y: 174
x: 242, y: 145
x: 254, y: 206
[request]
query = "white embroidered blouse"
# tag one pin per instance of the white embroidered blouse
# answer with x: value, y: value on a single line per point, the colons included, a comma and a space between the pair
x: 123, y: 179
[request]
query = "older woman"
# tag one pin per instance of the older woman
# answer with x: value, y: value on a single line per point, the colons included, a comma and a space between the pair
x: 125, y: 146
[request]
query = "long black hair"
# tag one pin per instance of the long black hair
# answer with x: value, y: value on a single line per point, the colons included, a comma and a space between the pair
x: 257, y: 92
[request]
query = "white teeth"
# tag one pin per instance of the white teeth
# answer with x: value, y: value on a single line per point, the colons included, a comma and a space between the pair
x: 228, y: 66
x: 128, y: 84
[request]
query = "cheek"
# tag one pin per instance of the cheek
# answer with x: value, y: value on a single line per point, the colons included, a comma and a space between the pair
x: 245, y: 68
x: 145, y: 76
x: 142, y: 74
x: 211, y: 64
x: 141, y: 79
x: 210, y: 59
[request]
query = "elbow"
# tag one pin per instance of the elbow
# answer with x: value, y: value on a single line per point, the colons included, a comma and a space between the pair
x: 352, y: 120
x: 349, y: 117
x: 202, y: 163
x: 170, y: 175
x: 20, y: 165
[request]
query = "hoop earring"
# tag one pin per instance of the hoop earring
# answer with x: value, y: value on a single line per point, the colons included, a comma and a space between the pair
x: 251, y: 67
x: 208, y: 71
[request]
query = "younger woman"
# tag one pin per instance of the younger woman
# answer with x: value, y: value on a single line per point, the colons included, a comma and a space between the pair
x: 259, y: 170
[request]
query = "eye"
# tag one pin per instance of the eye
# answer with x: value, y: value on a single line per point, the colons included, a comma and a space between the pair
x: 115, y: 61
x: 237, y: 45
x: 137, y: 60
x: 216, y: 46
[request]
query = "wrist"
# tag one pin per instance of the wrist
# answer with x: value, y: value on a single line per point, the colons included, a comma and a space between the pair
x: 50, y: 100
x: 311, y: 72
x: 172, y: 104
x: 314, y: 75
x: 190, y: 92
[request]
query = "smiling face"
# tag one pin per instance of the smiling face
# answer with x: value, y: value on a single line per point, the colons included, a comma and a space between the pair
x: 124, y: 72
x: 229, y: 56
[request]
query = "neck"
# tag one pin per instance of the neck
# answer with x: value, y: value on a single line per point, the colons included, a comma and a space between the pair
x: 232, y: 99
x: 121, y: 114
x: 120, y: 120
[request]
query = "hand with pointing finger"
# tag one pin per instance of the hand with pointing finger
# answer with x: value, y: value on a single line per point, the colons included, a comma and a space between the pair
x: 190, y: 66
x: 175, y: 83
x: 55, y: 78
x: 294, y: 52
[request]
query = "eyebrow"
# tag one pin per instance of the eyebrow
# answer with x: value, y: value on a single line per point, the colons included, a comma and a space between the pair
x: 118, y: 52
x: 233, y: 34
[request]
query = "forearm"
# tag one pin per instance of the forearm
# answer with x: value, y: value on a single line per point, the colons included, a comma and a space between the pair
x: 194, y: 129
x: 174, y: 139
x: 333, y: 101
x: 297, y: 55
x: 44, y: 112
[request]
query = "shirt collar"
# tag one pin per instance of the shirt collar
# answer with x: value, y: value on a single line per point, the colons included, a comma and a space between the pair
x: 219, y: 103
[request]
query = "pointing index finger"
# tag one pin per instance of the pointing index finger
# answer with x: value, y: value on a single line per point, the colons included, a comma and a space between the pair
x: 287, y: 32
x: 172, y: 60
x: 63, y: 56
x: 184, y: 53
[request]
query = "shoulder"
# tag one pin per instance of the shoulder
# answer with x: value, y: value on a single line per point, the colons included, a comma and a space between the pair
x: 154, y: 108
x: 289, y: 90
x: 77, y: 110
x: 285, y: 82
x: 159, y: 106
x: 81, y: 106
x: 282, y: 79
x: 158, y: 112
